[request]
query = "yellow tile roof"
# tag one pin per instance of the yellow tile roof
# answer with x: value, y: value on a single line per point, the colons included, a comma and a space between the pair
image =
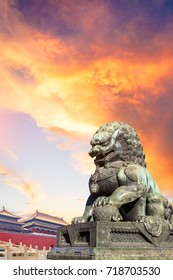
x: 45, y: 217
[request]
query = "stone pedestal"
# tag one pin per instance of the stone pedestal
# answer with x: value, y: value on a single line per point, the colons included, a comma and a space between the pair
x: 111, y: 240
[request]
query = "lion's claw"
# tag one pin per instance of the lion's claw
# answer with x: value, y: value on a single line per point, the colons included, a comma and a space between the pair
x: 82, y: 219
x: 102, y: 201
x: 99, y: 201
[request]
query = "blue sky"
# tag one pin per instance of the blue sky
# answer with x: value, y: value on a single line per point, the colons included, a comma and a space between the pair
x: 30, y: 155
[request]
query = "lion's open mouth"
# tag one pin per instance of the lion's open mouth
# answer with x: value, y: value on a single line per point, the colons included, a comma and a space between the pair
x: 104, y: 157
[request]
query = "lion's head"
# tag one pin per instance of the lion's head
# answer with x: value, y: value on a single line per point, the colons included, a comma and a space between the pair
x: 117, y: 141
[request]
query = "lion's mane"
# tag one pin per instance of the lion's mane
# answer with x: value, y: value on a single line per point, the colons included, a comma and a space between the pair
x: 132, y: 149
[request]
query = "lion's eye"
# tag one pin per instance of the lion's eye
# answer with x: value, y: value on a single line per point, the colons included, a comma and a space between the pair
x: 105, y: 143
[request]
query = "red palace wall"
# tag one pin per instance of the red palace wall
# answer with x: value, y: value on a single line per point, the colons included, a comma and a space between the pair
x: 29, y: 239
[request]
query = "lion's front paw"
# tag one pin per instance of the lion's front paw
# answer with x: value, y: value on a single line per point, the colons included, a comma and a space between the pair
x: 108, y: 200
x: 104, y: 200
x: 99, y: 201
x: 82, y: 219
x: 117, y: 216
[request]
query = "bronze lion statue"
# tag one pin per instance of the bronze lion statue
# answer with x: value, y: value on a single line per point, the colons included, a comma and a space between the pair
x: 121, y: 187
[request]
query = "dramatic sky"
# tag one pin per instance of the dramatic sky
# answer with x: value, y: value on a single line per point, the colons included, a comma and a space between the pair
x: 67, y: 67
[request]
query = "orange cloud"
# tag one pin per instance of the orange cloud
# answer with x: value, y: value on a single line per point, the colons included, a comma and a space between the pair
x: 107, y: 71
x: 13, y: 180
x: 72, y: 95
x: 4, y: 171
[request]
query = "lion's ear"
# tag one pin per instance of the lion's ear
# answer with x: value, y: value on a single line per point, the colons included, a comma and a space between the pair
x: 115, y: 134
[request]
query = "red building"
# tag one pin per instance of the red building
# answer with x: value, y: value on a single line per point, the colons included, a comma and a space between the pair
x: 9, y: 222
x: 38, y: 229
x: 40, y: 223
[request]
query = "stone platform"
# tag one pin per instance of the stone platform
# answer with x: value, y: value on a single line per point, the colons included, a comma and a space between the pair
x: 111, y: 240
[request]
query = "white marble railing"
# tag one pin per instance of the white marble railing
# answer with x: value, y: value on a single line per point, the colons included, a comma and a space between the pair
x: 21, y: 252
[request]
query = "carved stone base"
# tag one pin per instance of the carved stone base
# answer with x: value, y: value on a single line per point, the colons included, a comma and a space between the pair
x: 111, y: 240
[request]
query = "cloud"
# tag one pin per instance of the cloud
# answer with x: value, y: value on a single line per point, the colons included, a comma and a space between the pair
x: 29, y: 188
x: 9, y: 153
x: 83, y: 162
x: 4, y: 171
x: 86, y: 64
